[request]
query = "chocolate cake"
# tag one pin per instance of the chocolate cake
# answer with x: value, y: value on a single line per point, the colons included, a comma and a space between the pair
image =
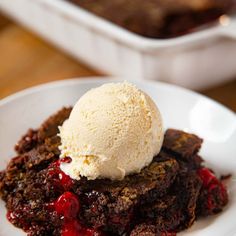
x: 164, y: 198
x: 158, y: 18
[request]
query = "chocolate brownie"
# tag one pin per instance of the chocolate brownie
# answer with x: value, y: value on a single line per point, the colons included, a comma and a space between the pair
x: 165, y: 197
x: 182, y: 144
x: 158, y: 18
x: 148, y: 229
x: 120, y: 199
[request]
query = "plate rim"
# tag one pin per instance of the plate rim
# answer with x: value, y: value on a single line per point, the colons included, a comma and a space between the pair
x: 106, y: 79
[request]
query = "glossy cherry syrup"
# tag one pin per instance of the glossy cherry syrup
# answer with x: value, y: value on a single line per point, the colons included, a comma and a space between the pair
x: 60, y: 179
x: 212, y: 184
x: 67, y: 205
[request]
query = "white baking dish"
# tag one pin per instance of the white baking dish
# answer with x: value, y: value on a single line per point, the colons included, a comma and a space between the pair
x: 195, y: 61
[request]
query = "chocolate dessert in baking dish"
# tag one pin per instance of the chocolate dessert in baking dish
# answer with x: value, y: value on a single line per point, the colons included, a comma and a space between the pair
x: 158, y: 18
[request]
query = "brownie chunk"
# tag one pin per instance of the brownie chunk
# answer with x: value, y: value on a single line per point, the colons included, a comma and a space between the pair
x: 27, y: 142
x: 175, y: 211
x: 48, y: 129
x: 189, y: 184
x: 148, y: 229
x: 180, y: 143
x: 145, y: 230
x: 116, y: 202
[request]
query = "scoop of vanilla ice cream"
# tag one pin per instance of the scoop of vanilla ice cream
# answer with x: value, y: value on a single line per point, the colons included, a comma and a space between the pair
x: 113, y: 130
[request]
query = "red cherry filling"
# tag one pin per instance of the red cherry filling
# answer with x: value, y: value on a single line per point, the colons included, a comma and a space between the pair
x: 74, y: 229
x: 207, y: 177
x: 65, y: 160
x: 67, y: 205
x: 60, y: 179
x: 71, y: 228
x: 216, y: 191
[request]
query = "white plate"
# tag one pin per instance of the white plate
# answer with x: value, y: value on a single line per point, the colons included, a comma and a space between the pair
x: 180, y: 108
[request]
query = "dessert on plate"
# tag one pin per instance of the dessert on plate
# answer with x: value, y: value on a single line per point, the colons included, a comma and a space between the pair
x: 106, y: 167
x: 158, y: 18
